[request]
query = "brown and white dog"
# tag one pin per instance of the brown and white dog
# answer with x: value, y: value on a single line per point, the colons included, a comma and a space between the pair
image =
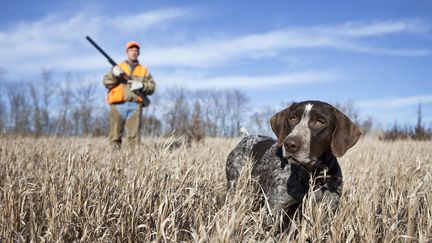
x: 310, y: 135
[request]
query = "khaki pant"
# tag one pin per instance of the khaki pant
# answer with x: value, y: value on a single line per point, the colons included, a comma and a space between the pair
x: 121, y: 116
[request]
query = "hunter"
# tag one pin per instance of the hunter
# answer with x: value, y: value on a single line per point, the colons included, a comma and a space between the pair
x: 128, y: 83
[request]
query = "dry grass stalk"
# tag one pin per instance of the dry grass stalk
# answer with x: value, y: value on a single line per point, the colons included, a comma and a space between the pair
x: 67, y: 189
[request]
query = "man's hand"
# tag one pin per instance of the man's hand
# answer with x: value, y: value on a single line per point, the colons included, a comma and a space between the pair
x: 148, y: 88
x: 135, y: 85
x: 117, y: 71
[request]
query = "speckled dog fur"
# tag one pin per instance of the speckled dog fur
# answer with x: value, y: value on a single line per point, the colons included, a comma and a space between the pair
x: 284, y: 179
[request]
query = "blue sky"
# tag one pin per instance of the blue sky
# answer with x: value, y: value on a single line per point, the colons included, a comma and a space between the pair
x: 376, y: 53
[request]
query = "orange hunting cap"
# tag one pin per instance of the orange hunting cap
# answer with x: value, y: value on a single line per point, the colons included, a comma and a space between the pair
x: 132, y: 44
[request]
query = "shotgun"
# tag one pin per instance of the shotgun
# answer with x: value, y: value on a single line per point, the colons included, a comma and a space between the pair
x: 140, y: 92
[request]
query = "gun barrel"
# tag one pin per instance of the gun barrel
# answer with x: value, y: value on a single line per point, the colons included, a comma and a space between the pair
x: 110, y: 60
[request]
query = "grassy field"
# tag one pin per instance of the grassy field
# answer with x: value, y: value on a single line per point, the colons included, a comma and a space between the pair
x: 68, y: 189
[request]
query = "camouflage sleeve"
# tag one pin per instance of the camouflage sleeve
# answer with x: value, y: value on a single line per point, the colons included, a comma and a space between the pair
x: 110, y: 81
x: 149, y: 84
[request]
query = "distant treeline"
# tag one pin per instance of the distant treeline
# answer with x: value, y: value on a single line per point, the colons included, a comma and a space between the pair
x: 399, y: 132
x: 73, y: 107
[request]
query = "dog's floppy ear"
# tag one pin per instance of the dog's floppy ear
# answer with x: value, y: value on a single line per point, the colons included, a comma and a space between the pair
x: 345, y: 135
x: 279, y: 125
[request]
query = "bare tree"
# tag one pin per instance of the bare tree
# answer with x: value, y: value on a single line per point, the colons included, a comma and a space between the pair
x: 152, y: 110
x: 36, y: 111
x: 237, y: 102
x: 47, y: 92
x: 259, y: 122
x: 196, y: 130
x: 349, y: 109
x: 19, y: 109
x: 420, y: 132
x: 82, y: 114
x: 177, y: 112
x: 99, y: 125
x: 366, y: 125
x: 210, y: 100
x: 3, y: 113
x: 222, y: 111
x: 63, y: 125
x: 151, y: 126
x: 256, y: 122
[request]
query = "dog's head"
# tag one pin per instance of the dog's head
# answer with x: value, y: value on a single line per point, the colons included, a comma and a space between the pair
x: 307, y: 130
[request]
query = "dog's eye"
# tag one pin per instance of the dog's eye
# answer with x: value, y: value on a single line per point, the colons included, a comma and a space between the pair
x: 293, y: 117
x: 318, y: 123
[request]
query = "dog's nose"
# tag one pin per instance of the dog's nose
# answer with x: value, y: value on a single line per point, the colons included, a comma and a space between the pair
x: 292, y: 145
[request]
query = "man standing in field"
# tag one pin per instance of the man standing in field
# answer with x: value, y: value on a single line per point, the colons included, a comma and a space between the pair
x: 129, y: 83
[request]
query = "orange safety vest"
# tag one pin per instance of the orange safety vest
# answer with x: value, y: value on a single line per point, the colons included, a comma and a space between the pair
x: 117, y: 94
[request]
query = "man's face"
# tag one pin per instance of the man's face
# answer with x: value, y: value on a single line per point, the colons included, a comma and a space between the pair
x: 132, y: 54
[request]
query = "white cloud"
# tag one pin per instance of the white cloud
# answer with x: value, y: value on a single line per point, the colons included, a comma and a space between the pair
x: 141, y: 22
x: 206, y: 53
x: 249, y: 82
x: 59, y: 41
x: 378, y: 28
x: 397, y: 102
x: 403, y: 110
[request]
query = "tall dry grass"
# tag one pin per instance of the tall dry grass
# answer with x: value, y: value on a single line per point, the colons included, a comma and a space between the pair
x: 68, y: 189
